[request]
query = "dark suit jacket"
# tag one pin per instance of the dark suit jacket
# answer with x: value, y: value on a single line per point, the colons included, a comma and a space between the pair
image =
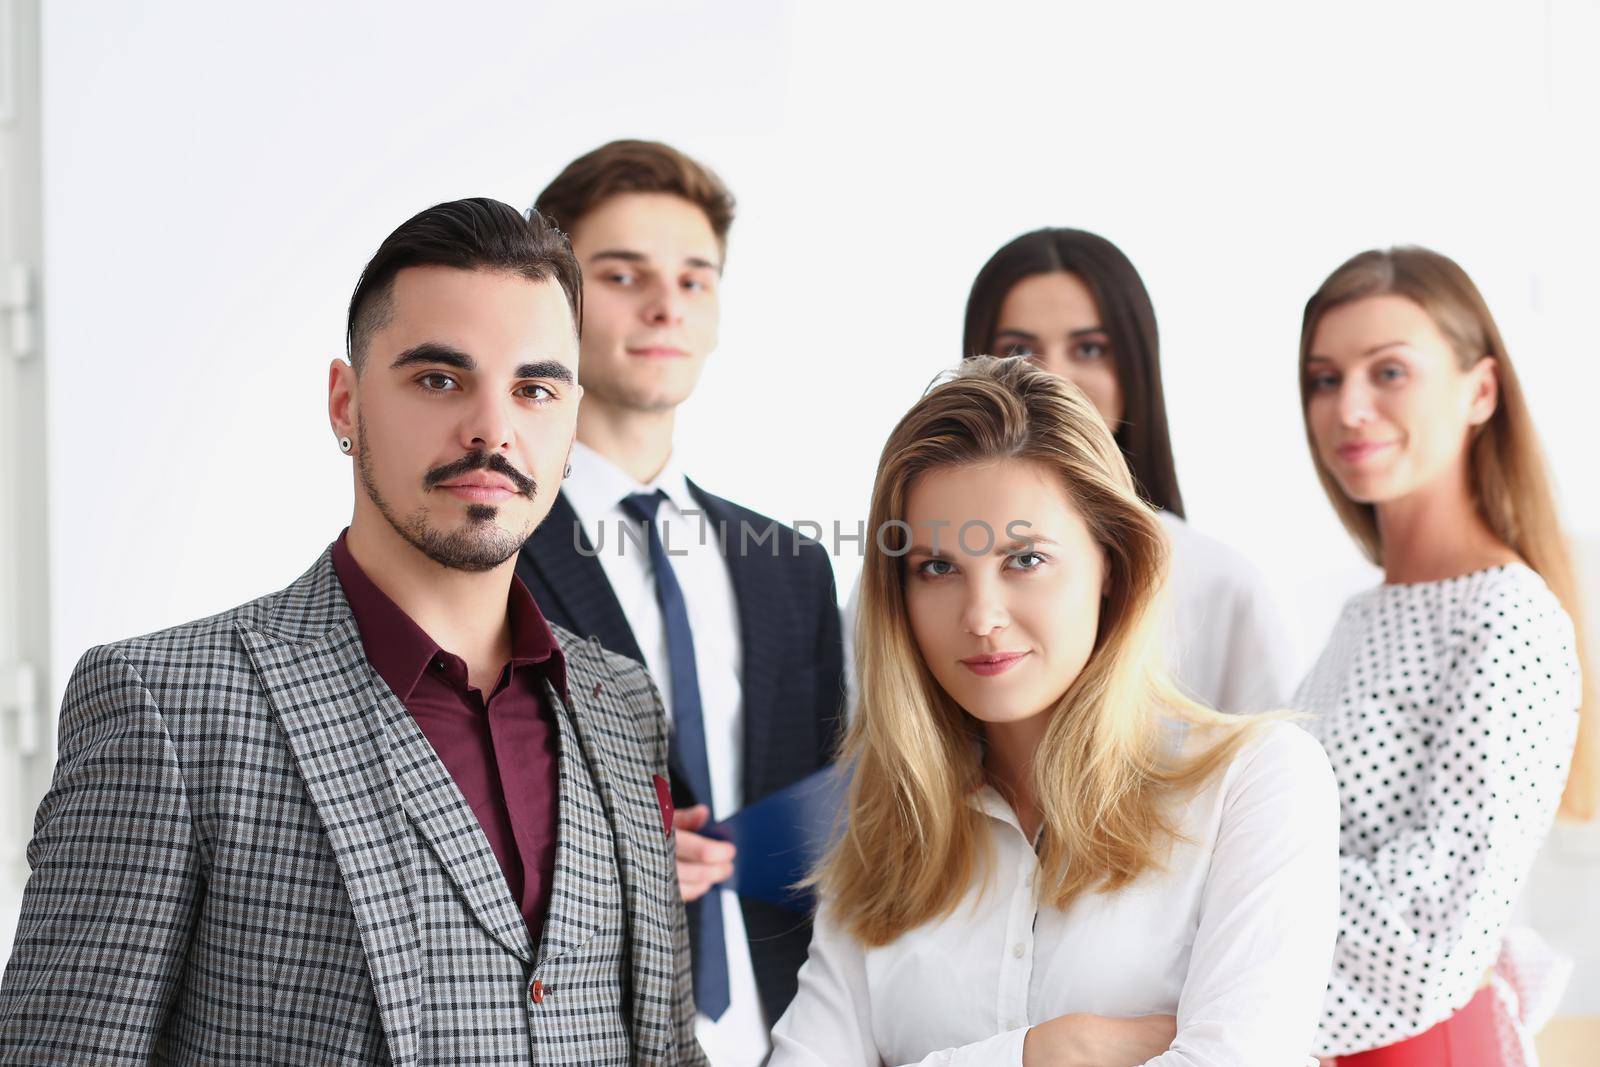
x: 793, y: 674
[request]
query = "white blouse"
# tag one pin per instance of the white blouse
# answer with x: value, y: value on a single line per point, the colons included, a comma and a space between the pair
x: 1233, y: 937
x: 1230, y: 645
x: 1449, y: 711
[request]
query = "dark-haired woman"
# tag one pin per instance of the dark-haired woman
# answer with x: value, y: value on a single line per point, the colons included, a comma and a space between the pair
x: 1074, y: 305
x: 1448, y: 698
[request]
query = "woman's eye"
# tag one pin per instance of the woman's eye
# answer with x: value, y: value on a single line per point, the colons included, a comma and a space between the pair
x: 437, y: 383
x: 1390, y: 372
x: 1017, y: 348
x: 1321, y: 383
x: 934, y: 568
x: 1027, y: 561
x: 1092, y: 350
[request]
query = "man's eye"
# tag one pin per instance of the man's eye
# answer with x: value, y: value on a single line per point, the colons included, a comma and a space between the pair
x: 438, y: 383
x: 618, y: 277
x: 537, y: 392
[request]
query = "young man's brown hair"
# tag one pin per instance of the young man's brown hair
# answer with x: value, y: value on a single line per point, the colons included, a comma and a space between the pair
x: 635, y: 167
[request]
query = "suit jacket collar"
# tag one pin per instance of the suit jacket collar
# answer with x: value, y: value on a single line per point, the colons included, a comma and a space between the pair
x: 308, y: 656
x: 750, y: 568
x: 562, y: 555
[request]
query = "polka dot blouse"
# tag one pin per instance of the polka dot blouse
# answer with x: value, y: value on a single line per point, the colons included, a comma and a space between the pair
x: 1448, y: 710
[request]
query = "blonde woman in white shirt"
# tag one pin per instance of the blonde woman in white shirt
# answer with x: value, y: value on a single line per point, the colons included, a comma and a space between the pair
x: 1050, y: 855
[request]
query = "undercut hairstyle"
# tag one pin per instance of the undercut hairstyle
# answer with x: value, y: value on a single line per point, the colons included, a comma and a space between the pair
x: 635, y: 167
x: 474, y: 234
x: 1129, y: 321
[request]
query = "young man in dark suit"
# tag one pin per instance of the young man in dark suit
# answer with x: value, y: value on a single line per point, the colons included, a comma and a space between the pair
x: 734, y: 615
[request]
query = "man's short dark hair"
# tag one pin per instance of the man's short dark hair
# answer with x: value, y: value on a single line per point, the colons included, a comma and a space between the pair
x: 635, y: 167
x: 474, y: 234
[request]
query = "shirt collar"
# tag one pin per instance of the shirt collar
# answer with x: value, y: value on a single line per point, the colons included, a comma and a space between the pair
x: 598, y: 485
x: 400, y: 650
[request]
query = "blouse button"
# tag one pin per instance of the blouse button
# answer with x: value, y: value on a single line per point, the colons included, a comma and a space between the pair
x: 1019, y: 950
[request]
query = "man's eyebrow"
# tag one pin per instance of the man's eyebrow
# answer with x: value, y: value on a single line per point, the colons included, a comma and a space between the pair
x: 553, y: 369
x: 629, y: 256
x: 433, y: 352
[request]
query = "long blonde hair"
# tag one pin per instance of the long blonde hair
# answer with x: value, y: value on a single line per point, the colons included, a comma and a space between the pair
x: 912, y: 843
x: 1510, y: 483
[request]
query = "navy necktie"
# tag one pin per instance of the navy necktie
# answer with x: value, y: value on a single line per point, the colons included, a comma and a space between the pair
x: 688, y: 749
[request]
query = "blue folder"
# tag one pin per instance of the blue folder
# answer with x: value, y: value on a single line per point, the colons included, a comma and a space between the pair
x: 781, y: 837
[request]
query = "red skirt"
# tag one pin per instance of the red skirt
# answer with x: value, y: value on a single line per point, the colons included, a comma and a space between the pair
x: 1469, y: 1038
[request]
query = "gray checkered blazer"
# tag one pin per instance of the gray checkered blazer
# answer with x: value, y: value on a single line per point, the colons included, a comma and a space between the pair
x: 251, y: 854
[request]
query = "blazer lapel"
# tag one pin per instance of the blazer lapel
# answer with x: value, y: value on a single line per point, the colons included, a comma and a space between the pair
x: 629, y: 806
x: 561, y: 558
x: 759, y: 636
x: 315, y: 673
x: 442, y: 816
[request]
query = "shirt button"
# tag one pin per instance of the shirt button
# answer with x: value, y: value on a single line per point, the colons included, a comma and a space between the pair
x: 536, y: 994
x: 438, y: 664
x: 1019, y: 950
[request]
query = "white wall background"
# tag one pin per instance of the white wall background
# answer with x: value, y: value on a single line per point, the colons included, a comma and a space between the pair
x: 216, y: 175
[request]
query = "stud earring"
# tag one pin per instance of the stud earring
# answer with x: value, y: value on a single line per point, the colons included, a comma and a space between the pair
x: 344, y: 445
x: 568, y: 472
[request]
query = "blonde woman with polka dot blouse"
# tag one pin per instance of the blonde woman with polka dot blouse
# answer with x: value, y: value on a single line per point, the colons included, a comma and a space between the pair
x: 1448, y: 698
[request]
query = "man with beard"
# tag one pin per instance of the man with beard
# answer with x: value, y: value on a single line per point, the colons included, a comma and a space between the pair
x: 388, y: 814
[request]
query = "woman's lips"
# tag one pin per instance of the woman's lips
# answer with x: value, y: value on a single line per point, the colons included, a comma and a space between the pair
x: 1356, y: 451
x: 997, y: 663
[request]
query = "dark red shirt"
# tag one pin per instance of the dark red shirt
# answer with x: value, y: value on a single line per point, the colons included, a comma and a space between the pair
x: 502, y: 752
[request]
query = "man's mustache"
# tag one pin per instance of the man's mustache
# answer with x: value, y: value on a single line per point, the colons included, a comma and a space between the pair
x: 481, y: 461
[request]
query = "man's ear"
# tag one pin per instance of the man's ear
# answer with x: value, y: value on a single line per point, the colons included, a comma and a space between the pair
x: 343, y: 404
x: 1485, y: 391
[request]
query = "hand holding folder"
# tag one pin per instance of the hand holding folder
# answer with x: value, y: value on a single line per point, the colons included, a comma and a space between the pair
x: 781, y: 837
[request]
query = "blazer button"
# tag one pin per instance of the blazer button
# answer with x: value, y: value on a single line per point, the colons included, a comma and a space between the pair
x: 536, y: 994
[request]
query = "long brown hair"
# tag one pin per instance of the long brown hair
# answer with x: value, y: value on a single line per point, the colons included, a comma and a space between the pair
x: 1129, y: 321
x: 911, y: 842
x: 1510, y: 483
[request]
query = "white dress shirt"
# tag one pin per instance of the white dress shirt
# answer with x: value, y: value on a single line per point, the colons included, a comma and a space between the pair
x: 596, y: 490
x: 1229, y: 645
x: 1234, y: 937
